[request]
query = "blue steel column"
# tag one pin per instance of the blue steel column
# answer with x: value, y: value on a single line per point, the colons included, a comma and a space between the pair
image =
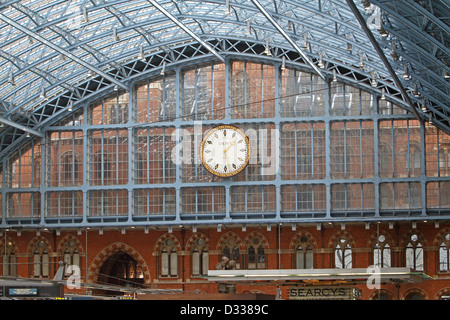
x: 177, y: 123
x: 86, y: 170
x: 327, y: 150
x: 376, y: 178
x: 423, y: 180
x: 130, y: 152
x: 42, y: 185
x: 277, y: 67
x: 2, y: 191
x: 226, y: 182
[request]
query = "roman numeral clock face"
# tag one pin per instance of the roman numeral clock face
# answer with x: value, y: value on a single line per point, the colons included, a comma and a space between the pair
x: 225, y: 151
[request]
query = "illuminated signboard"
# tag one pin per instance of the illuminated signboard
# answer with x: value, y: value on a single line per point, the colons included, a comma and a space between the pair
x: 22, y: 291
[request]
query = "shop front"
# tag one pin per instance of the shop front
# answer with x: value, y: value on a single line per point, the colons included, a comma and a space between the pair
x: 320, y: 284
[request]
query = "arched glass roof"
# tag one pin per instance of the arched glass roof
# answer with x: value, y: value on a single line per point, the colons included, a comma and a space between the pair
x: 56, y: 54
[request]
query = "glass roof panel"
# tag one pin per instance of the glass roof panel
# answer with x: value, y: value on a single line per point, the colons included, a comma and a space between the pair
x: 321, y: 28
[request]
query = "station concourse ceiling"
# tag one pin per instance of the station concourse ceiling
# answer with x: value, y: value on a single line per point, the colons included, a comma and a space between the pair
x: 55, y: 55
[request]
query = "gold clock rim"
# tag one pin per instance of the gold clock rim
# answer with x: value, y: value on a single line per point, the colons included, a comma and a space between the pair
x: 205, y: 137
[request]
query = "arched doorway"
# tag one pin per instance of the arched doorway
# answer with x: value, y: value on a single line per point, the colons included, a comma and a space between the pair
x: 120, y: 270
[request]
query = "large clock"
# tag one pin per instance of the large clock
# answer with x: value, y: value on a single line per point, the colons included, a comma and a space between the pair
x: 225, y: 150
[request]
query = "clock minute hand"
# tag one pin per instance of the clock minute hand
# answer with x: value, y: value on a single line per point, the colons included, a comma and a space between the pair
x: 231, y: 144
x: 225, y: 152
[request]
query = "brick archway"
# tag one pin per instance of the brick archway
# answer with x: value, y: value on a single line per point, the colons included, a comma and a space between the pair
x: 419, y: 292
x: 107, y: 252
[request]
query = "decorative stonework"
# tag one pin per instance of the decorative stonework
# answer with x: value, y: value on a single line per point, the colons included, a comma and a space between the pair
x: 107, y: 252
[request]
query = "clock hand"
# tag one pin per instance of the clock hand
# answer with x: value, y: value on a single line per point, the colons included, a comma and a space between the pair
x: 231, y: 144
x: 226, y: 158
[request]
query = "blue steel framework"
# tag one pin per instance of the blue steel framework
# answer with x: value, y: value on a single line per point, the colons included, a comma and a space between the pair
x: 57, y: 57
x: 58, y: 53
x: 344, y: 108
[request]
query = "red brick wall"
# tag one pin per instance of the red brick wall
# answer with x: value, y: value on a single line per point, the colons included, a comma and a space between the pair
x: 143, y: 248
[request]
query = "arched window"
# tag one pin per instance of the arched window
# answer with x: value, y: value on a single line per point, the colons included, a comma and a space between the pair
x: 231, y: 251
x: 256, y: 254
x: 200, y: 258
x: 256, y: 258
x: 169, y: 259
x: 71, y: 256
x: 343, y: 254
x: 41, y: 265
x: 415, y: 296
x: 9, y: 259
x: 304, y: 256
x: 382, y: 253
x: 444, y: 253
x: 414, y: 253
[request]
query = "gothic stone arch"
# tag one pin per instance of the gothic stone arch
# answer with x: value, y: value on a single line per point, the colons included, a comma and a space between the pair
x: 107, y: 252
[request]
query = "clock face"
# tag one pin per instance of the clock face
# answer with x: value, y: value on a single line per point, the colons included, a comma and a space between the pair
x: 225, y: 150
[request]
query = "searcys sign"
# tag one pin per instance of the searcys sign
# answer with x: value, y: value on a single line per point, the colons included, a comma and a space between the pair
x: 323, y: 293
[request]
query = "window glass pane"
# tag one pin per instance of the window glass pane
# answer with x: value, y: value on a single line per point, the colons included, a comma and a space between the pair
x: 410, y: 256
x: 302, y: 151
x: 253, y: 199
x: 24, y: 167
x: 253, y: 90
x: 36, y: 265
x: 437, y: 152
x: 173, y: 263
x: 164, y: 264
x: 195, y: 263
x: 309, y: 258
x: 338, y: 258
x: 377, y: 257
x: 419, y: 258
x: 300, y: 258
x: 45, y: 265
x: 76, y: 259
x: 149, y: 96
x: 202, y: 94
x: 205, y: 263
x: 348, y: 257
x: 386, y: 257
x: 108, y: 157
x: 112, y: 109
x: 443, y: 258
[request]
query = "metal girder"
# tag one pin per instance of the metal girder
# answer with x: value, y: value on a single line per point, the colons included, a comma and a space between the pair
x: 328, y: 25
x: 62, y: 51
x: 287, y: 37
x: 186, y: 29
x: 421, y: 36
x: 65, y: 35
x: 23, y: 65
x: 383, y: 58
x: 21, y: 127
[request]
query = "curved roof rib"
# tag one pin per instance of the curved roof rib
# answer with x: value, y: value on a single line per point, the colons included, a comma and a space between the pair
x: 56, y: 54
